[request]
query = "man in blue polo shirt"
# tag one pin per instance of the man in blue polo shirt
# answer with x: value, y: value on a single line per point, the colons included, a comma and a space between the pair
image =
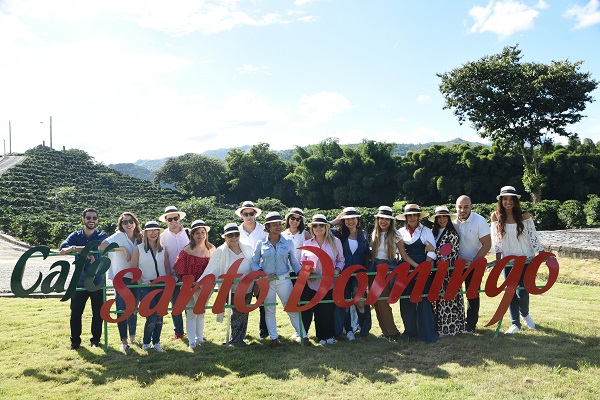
x: 73, y: 244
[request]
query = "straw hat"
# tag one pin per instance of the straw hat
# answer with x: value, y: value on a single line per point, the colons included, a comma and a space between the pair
x: 349, y: 212
x: 508, y: 191
x: 442, y: 210
x: 247, y: 204
x: 412, y: 209
x: 318, y: 219
x: 295, y: 211
x: 273, y: 216
x: 230, y: 228
x: 385, y: 212
x: 199, y: 224
x: 171, y: 210
x: 152, y: 225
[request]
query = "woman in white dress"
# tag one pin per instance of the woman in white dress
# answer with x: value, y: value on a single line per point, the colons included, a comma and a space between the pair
x: 514, y: 234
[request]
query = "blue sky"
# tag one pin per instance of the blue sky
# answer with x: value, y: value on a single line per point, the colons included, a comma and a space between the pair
x: 139, y: 79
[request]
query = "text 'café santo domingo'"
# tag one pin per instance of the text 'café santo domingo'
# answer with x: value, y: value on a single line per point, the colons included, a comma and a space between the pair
x: 55, y: 281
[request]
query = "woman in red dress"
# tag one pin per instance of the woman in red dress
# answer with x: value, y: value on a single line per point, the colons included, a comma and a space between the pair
x: 193, y: 260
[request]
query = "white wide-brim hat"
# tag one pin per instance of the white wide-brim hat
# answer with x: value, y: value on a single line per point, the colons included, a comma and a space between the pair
x: 385, y: 212
x: 318, y: 219
x: 295, y: 211
x: 151, y: 226
x: 230, y: 228
x: 171, y: 210
x: 442, y: 211
x: 412, y: 209
x: 508, y: 191
x: 273, y: 216
x: 199, y: 224
x: 349, y: 212
x: 247, y: 204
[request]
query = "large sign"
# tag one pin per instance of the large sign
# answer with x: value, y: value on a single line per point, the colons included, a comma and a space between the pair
x: 201, y: 291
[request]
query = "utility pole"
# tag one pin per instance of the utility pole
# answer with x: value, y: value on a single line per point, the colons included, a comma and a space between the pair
x: 9, y: 140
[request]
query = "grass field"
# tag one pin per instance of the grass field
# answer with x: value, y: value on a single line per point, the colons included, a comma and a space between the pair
x: 559, y: 359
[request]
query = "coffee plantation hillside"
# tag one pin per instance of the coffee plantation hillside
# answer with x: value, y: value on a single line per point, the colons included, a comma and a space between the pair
x: 42, y: 198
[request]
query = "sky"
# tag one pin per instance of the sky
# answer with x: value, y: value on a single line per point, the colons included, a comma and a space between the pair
x: 148, y: 79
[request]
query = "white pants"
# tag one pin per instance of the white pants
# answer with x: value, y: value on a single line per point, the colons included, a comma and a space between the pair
x: 194, y: 324
x: 282, y: 287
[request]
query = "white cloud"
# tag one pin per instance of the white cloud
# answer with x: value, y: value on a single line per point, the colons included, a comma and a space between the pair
x: 505, y: 17
x: 320, y: 107
x: 423, y: 99
x: 302, y: 2
x: 178, y: 19
x: 251, y: 69
x: 587, y: 15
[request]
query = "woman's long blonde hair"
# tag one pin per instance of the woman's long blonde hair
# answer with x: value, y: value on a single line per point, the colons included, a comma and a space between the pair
x: 329, y: 238
x: 390, y: 240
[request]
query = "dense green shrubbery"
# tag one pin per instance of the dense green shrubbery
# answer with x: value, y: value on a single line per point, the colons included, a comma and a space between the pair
x: 571, y: 214
x: 592, y: 209
x: 545, y: 215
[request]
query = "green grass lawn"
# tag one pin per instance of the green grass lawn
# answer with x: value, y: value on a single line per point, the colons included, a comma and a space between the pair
x: 559, y: 359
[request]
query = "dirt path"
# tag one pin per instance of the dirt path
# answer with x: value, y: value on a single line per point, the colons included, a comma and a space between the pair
x: 7, y: 162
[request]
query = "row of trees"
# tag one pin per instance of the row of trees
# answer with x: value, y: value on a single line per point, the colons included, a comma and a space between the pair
x: 328, y: 175
x: 517, y: 105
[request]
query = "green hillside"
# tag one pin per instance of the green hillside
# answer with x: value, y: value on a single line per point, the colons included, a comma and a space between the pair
x: 41, y: 199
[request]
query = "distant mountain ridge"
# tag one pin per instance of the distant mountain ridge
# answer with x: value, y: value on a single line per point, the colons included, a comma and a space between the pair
x: 145, y: 169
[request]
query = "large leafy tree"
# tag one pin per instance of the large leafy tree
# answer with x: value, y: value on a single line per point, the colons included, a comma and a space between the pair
x: 258, y: 173
x: 314, y: 172
x: 193, y: 174
x: 519, y: 105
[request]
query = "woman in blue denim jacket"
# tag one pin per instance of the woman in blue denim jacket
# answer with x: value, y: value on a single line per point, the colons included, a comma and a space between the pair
x: 274, y: 255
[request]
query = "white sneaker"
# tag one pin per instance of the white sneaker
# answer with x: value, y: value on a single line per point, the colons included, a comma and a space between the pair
x: 322, y: 342
x: 192, y: 345
x: 350, y: 335
x: 158, y: 347
x: 295, y: 337
x: 331, y: 341
x: 125, y: 347
x: 528, y: 321
x: 513, y: 328
x: 145, y: 346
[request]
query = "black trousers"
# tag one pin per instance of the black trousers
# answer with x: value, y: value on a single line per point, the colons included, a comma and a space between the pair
x: 78, y: 301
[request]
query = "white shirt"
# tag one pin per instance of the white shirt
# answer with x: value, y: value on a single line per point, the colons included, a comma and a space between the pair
x: 146, y: 264
x: 117, y: 258
x: 382, y: 250
x: 526, y: 244
x: 174, y: 243
x: 253, y: 237
x: 469, y: 232
x: 298, y: 239
x: 421, y: 233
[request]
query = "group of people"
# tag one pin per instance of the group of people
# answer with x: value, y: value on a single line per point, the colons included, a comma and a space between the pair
x: 276, y: 248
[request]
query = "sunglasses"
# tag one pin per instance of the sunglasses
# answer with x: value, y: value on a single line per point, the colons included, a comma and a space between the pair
x: 173, y: 219
x: 249, y: 214
x: 295, y: 218
x: 232, y: 235
x: 128, y: 222
x: 91, y: 218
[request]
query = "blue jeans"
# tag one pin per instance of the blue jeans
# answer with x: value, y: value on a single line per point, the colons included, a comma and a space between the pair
x: 519, y: 305
x: 154, y: 323
x: 131, y: 322
x: 341, y: 316
x: 177, y: 319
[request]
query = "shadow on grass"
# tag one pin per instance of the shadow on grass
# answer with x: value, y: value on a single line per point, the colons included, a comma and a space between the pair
x: 375, y: 359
